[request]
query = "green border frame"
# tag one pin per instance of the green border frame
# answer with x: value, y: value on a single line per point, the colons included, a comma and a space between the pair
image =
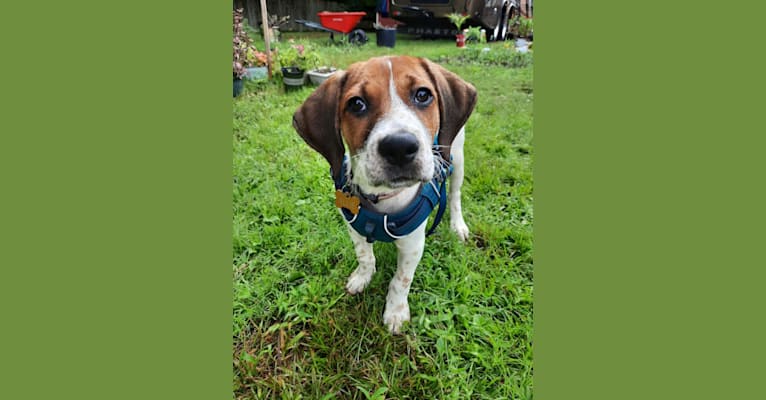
x: 116, y: 222
x: 116, y: 176
x: 648, y: 200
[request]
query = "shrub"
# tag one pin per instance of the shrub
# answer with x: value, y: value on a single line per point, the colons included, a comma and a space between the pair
x: 505, y: 56
x: 240, y: 43
x: 525, y: 27
x: 301, y: 55
x: 474, y: 34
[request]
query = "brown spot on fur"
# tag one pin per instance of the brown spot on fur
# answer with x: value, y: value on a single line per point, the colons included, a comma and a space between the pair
x: 406, y: 282
x: 403, y: 279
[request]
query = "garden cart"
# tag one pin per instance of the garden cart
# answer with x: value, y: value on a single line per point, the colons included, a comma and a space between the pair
x: 339, y: 22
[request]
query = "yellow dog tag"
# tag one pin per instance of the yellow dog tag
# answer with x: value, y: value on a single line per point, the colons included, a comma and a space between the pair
x: 347, y: 201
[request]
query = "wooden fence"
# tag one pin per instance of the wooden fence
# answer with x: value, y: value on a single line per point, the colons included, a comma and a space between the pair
x: 296, y: 9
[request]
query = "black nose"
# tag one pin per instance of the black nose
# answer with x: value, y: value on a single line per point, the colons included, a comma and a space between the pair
x: 399, y: 148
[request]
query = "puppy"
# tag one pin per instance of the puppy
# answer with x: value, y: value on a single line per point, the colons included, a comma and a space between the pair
x: 402, y: 120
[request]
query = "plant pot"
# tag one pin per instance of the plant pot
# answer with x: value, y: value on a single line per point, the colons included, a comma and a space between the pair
x: 319, y: 75
x: 256, y: 73
x: 385, y: 37
x: 521, y: 45
x: 460, y: 40
x: 238, y: 85
x: 293, y: 77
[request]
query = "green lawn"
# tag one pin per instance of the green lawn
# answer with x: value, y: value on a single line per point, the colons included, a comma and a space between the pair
x: 298, y: 335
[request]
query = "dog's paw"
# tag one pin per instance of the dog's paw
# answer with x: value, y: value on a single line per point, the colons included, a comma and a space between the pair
x: 359, y: 279
x: 395, y: 316
x: 460, y: 229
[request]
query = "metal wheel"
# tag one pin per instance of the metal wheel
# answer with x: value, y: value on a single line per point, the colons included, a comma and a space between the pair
x: 501, y: 29
x: 507, y: 17
x: 357, y: 37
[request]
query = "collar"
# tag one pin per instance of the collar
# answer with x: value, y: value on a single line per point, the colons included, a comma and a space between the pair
x: 344, y: 184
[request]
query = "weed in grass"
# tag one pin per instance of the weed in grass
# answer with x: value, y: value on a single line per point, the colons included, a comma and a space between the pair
x: 298, y: 335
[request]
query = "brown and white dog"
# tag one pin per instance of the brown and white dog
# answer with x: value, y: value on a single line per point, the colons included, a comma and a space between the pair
x: 388, y: 112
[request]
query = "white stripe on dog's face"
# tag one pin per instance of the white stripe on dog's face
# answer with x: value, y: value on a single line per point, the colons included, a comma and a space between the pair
x: 375, y: 173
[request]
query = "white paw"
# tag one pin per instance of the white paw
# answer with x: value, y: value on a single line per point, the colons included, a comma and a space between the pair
x: 460, y: 228
x: 359, y: 279
x: 395, y: 316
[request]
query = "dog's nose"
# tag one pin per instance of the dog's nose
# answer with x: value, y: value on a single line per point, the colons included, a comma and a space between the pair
x: 399, y: 148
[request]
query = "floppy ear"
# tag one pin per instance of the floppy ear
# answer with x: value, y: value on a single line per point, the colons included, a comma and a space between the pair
x: 316, y: 120
x: 457, y: 99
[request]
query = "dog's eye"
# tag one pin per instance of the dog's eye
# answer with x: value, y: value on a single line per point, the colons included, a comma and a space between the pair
x: 423, y: 97
x: 357, y: 105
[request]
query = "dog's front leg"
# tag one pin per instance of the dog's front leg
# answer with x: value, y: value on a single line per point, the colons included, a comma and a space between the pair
x: 362, y: 275
x: 455, y: 183
x: 410, y: 250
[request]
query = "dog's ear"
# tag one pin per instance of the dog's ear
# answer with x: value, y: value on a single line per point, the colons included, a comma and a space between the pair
x: 457, y: 99
x: 316, y: 120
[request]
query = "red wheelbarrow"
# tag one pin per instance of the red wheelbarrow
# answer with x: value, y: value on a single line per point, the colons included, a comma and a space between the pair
x: 339, y: 22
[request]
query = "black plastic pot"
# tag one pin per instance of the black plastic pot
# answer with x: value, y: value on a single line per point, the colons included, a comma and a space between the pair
x: 238, y: 85
x: 293, y: 77
x: 386, y: 37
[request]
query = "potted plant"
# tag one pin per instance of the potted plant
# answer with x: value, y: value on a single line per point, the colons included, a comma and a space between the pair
x: 525, y: 28
x: 458, y: 20
x: 240, y: 43
x: 319, y: 75
x: 256, y: 63
x: 474, y: 34
x: 294, y: 61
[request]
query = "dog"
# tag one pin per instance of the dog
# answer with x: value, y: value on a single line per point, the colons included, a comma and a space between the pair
x: 403, y: 121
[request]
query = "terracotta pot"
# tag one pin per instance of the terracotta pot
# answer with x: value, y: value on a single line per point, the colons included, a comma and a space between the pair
x: 460, y: 40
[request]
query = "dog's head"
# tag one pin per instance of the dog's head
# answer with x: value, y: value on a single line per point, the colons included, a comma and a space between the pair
x: 387, y: 110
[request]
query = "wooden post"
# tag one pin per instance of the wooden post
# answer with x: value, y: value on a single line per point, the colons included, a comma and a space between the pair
x: 266, y: 36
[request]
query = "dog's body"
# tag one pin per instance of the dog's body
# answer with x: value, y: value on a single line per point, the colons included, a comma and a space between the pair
x: 401, y: 118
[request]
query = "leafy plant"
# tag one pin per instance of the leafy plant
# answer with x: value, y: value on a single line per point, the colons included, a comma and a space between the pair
x: 326, y: 70
x: 256, y: 58
x: 474, y: 34
x: 505, y: 56
x: 240, y: 43
x: 301, y: 55
x: 457, y: 19
x: 525, y: 27
x: 251, y: 31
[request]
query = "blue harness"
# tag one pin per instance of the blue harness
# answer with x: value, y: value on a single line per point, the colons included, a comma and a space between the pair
x: 389, y: 227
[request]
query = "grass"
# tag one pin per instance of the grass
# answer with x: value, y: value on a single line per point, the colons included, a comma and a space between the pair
x: 298, y: 335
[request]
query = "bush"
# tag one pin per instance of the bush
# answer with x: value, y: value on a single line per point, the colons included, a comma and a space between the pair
x: 525, y: 27
x: 241, y: 41
x: 505, y: 56
x: 302, y: 55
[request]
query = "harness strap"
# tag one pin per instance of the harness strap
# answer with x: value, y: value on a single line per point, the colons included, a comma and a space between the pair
x: 389, y: 227
x: 442, y: 207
